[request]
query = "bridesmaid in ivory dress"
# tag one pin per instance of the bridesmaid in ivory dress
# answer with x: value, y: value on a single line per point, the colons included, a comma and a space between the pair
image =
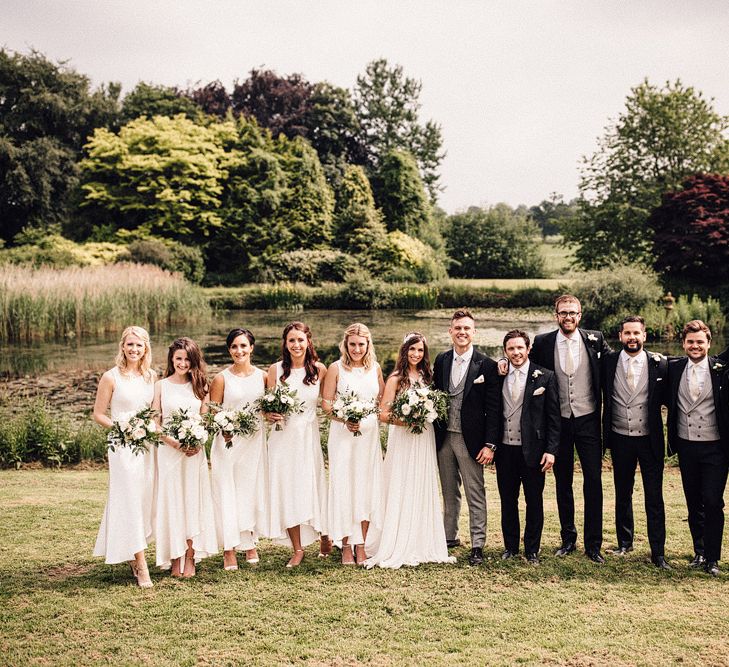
x: 355, y: 462
x: 413, y: 531
x: 185, y: 522
x: 240, y: 484
x: 298, y: 488
x: 126, y: 527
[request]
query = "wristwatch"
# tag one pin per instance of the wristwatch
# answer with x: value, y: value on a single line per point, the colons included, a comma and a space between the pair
x: 488, y: 445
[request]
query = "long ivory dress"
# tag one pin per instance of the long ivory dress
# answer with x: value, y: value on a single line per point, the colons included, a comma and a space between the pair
x: 355, y: 464
x: 298, y: 486
x: 413, y: 530
x: 240, y: 480
x: 126, y: 526
x: 184, y: 502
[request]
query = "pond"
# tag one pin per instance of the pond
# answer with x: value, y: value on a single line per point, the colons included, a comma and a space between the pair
x: 388, y: 328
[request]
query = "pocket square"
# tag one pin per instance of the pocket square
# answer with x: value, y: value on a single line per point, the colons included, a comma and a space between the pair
x: 539, y: 392
x: 479, y: 380
x: 659, y: 379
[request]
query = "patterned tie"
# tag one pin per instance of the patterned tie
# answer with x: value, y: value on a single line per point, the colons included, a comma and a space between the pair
x: 569, y: 360
x: 631, y: 373
x: 694, y: 389
x: 457, y: 371
x: 516, y: 386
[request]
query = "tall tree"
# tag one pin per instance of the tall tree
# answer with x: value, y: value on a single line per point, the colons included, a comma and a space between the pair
x: 149, y: 100
x: 553, y: 213
x: 691, y: 230
x: 388, y: 105
x: 357, y: 222
x: 212, y: 98
x: 663, y: 136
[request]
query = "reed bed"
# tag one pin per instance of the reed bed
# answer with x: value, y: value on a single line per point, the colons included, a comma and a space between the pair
x: 55, y: 303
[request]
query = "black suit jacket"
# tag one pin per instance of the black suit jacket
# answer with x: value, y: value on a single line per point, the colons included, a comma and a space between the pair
x: 543, y: 354
x: 657, y: 366
x: 481, y: 408
x: 718, y: 374
x: 540, y: 419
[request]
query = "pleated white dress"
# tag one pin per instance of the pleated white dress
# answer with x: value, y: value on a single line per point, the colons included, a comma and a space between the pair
x: 239, y: 473
x: 126, y: 526
x: 413, y: 530
x: 298, y: 485
x: 355, y: 464
x: 184, y: 509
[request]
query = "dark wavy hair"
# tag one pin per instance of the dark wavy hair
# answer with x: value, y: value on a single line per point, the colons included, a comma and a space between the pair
x: 401, y: 366
x: 198, y: 367
x: 234, y: 333
x: 310, y: 359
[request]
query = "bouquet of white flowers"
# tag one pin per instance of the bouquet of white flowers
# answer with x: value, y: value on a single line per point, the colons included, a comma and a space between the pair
x: 351, y: 408
x: 136, y: 430
x: 243, y: 422
x: 188, y: 429
x: 281, y: 399
x: 419, y: 406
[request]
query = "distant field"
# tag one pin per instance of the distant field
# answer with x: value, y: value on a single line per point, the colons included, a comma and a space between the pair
x: 508, y: 283
x: 557, y: 257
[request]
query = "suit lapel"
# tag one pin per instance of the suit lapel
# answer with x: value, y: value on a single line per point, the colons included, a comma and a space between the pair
x: 447, y: 366
x: 471, y: 373
x: 612, y: 369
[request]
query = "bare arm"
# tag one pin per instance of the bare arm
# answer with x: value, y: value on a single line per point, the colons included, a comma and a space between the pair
x: 329, y: 390
x: 217, y: 389
x: 388, y: 396
x: 271, y: 380
x: 103, y: 400
x: 157, y: 407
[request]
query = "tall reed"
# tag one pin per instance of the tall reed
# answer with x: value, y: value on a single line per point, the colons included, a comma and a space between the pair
x: 52, y: 303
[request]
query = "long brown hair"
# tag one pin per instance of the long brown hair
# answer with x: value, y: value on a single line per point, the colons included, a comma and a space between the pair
x: 310, y: 359
x: 198, y: 367
x: 401, y: 367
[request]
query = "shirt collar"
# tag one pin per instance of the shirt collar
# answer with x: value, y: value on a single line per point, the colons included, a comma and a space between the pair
x: 703, y: 364
x: 466, y: 356
x: 561, y: 338
x: 524, y: 369
x: 639, y: 358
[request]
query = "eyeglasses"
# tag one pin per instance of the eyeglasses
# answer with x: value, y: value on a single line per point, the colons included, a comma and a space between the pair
x: 565, y: 313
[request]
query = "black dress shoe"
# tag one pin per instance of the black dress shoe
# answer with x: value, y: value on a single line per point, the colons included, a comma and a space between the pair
x: 532, y: 559
x: 565, y: 549
x: 660, y: 562
x: 711, y: 567
x: 476, y: 557
x: 452, y: 544
x: 509, y: 554
x: 620, y: 550
x: 595, y: 556
x: 697, y: 562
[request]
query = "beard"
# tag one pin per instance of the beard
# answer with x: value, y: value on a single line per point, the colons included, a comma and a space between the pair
x: 633, y: 347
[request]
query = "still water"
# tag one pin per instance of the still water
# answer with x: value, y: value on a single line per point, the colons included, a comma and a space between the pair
x: 388, y: 329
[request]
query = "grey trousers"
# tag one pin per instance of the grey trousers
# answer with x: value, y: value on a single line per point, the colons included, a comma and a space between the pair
x: 455, y: 465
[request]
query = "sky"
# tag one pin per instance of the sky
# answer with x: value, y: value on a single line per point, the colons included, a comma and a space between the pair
x: 522, y: 90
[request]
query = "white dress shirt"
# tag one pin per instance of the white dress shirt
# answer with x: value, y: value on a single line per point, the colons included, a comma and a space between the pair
x: 523, y: 371
x: 562, y: 348
x: 638, y: 364
x: 702, y: 372
x: 462, y: 366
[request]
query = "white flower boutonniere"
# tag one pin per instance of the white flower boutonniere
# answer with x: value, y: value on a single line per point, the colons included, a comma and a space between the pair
x: 718, y: 366
x: 657, y: 357
x: 536, y: 374
x: 592, y: 337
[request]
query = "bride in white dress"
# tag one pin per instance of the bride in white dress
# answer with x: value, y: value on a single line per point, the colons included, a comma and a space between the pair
x: 126, y: 527
x: 355, y: 462
x: 184, y: 519
x: 297, y: 480
x: 240, y: 484
x: 413, y: 531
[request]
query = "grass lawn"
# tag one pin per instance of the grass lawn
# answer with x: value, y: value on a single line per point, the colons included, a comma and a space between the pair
x: 60, y: 606
x: 557, y: 257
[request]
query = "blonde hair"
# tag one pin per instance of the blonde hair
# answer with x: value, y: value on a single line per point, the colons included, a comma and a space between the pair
x: 145, y: 363
x: 358, y: 329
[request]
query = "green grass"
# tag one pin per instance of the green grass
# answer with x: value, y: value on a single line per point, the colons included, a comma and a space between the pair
x: 61, y: 606
x: 557, y: 258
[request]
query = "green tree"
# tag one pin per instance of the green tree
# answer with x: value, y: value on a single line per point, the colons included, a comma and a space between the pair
x: 388, y: 105
x: 553, y: 213
x: 47, y: 110
x: 663, y: 136
x: 493, y: 243
x: 163, y: 175
x: 149, y: 100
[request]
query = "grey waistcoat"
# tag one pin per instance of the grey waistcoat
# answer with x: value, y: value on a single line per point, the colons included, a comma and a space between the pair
x: 697, y: 419
x: 630, y: 409
x: 454, y: 409
x: 575, y: 393
x: 512, y: 415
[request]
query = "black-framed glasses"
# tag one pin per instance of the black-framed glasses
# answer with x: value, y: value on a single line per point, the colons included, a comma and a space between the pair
x: 568, y: 313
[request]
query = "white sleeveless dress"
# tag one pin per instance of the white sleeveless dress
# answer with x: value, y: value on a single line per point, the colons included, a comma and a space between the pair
x: 298, y: 485
x: 184, y: 507
x: 240, y: 480
x: 126, y: 526
x: 413, y: 531
x: 355, y: 464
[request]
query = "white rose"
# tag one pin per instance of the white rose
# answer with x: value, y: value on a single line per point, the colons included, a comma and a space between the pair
x: 338, y: 404
x: 139, y: 433
x: 432, y: 416
x: 413, y: 399
x: 123, y: 425
x: 221, y: 418
x: 151, y: 427
x: 229, y: 428
x: 285, y: 399
x: 187, y: 424
x: 199, y: 433
x: 429, y: 405
x: 405, y: 409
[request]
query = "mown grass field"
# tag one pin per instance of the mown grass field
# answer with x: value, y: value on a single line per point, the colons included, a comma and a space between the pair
x: 60, y: 606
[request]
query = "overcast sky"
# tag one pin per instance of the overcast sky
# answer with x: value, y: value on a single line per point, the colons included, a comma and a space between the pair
x: 521, y: 89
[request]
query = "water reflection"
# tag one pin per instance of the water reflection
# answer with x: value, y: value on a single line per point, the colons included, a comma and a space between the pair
x: 388, y: 328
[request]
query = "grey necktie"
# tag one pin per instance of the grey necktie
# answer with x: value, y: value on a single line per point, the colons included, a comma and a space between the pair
x: 694, y: 388
x: 631, y: 373
x: 457, y: 371
x: 516, y: 386
x: 569, y: 360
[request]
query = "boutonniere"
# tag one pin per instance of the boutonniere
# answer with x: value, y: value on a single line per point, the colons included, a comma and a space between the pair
x: 479, y: 380
x: 536, y: 374
x: 592, y: 337
x: 718, y: 366
x: 657, y: 357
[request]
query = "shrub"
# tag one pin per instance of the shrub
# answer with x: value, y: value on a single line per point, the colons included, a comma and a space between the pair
x: 53, y: 250
x: 402, y: 258
x: 312, y: 267
x: 169, y: 255
x: 607, y: 295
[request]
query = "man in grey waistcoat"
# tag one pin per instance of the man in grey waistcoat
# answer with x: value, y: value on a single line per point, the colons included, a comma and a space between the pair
x: 574, y: 356
x: 698, y: 431
x: 635, y: 385
x: 467, y: 439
